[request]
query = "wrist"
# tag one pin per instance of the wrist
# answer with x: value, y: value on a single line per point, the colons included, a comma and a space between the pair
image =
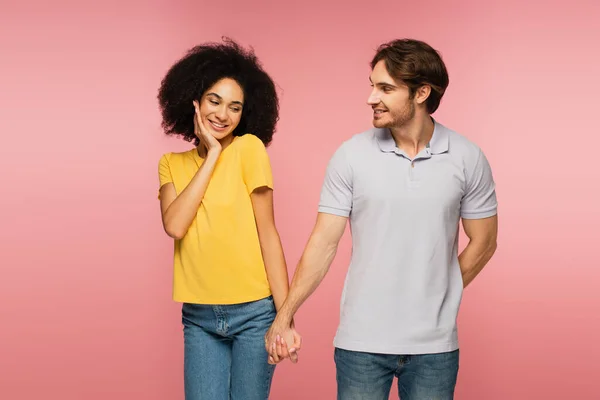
x: 284, y: 318
x: 213, y: 152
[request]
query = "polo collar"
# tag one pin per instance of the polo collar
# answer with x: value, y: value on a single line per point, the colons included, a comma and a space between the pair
x: 385, y: 140
x: 439, y: 141
x: 437, y: 145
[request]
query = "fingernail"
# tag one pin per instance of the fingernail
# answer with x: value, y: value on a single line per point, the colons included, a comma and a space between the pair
x: 292, y: 350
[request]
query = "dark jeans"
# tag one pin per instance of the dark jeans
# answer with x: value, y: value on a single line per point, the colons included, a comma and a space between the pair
x: 368, y: 376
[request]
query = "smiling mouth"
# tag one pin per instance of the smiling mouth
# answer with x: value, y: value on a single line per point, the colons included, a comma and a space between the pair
x: 216, y: 125
x: 379, y: 112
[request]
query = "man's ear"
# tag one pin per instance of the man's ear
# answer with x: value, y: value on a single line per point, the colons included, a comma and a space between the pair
x: 422, y: 94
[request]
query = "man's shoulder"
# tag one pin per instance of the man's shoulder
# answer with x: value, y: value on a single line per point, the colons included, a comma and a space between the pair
x: 460, y: 145
x: 463, y: 149
x: 459, y: 140
x: 359, y: 141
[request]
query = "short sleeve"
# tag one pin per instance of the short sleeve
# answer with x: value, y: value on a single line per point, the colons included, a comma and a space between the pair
x: 256, y: 166
x: 479, y: 200
x: 164, y: 171
x: 336, y: 192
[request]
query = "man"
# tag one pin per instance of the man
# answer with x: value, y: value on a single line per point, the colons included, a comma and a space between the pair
x: 404, y: 185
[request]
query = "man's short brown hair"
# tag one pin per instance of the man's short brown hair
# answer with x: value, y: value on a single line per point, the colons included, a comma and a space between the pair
x: 415, y: 63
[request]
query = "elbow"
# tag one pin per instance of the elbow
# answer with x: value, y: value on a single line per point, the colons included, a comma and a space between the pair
x: 485, y: 244
x: 327, y: 249
x: 329, y: 244
x: 174, y: 232
x: 331, y: 248
x: 492, y: 247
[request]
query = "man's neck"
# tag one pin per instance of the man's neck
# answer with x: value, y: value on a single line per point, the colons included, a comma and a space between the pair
x: 415, y: 135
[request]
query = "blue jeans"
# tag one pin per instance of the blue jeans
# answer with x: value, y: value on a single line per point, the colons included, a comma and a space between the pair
x: 368, y: 376
x: 225, y: 356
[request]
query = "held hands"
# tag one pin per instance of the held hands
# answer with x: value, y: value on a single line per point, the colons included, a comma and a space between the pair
x: 207, y: 140
x: 277, y: 339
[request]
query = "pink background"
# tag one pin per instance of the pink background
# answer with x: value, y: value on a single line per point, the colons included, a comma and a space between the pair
x: 86, y: 268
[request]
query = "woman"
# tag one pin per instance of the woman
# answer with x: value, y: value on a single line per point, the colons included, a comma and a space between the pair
x: 217, y: 203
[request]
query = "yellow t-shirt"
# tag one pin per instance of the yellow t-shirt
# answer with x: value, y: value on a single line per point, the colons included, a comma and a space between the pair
x: 219, y: 260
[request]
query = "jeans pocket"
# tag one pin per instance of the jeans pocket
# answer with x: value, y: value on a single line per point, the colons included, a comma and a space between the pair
x: 271, y: 301
x: 269, y: 304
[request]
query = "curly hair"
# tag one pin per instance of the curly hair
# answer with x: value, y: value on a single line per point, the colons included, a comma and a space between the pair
x: 203, y: 66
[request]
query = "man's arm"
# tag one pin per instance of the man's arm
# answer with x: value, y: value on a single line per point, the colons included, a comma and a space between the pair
x: 312, y: 268
x: 482, y: 234
x: 314, y: 263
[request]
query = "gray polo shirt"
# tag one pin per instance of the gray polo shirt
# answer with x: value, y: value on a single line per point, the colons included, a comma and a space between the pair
x: 404, y: 286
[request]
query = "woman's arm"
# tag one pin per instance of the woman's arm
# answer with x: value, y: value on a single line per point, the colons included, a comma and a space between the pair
x: 270, y: 243
x: 178, y: 212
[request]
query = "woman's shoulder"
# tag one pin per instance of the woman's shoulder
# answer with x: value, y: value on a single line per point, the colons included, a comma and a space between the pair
x: 249, y: 142
x: 177, y: 157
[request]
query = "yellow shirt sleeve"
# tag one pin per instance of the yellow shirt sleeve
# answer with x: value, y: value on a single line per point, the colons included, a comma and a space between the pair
x: 164, y: 171
x: 256, y: 165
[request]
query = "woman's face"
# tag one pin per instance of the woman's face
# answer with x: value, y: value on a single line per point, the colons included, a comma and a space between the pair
x: 221, y: 107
